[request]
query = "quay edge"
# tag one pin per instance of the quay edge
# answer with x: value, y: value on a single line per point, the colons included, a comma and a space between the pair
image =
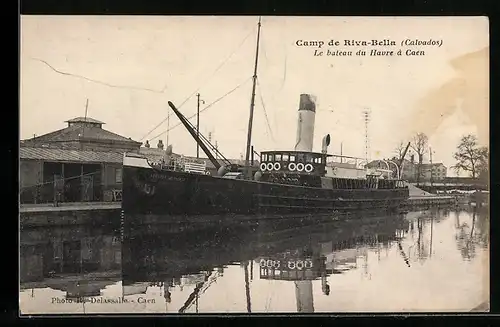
x: 109, y: 213
x: 415, y: 202
x: 70, y: 214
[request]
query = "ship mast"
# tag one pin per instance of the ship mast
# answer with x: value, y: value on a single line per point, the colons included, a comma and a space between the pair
x: 252, y: 105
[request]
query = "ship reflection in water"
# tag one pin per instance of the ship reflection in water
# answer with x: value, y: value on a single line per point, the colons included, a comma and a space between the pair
x: 433, y: 260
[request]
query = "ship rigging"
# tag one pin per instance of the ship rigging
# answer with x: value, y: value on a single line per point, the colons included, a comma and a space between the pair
x: 208, y: 147
x: 298, y: 180
x: 252, y: 105
x: 249, y: 148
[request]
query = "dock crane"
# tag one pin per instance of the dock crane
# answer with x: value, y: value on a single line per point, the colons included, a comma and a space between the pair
x: 206, y: 146
x: 404, y: 154
x: 401, y: 160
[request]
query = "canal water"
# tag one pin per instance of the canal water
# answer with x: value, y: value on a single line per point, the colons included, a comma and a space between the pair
x: 435, y: 260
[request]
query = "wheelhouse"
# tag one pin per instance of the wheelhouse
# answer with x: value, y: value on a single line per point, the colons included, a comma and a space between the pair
x: 295, y: 162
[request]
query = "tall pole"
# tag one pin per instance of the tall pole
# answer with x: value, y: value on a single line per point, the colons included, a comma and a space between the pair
x: 168, y: 129
x: 86, y: 109
x: 430, y: 246
x: 252, y: 105
x: 251, y: 270
x: 366, y: 115
x: 83, y: 129
x: 247, y: 288
x: 430, y: 153
x: 198, y: 123
x: 341, y: 158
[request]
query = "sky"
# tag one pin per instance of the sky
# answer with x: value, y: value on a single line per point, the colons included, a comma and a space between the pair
x: 129, y: 67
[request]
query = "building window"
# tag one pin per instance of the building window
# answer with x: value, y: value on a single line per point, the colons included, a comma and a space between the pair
x: 285, y: 157
x: 118, y: 176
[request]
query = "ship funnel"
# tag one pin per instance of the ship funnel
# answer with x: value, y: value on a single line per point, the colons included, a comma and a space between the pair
x: 325, y: 143
x: 305, y: 124
x: 168, y: 151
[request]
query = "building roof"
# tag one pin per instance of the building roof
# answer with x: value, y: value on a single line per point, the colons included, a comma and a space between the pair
x: 84, y: 120
x: 78, y: 133
x: 64, y: 155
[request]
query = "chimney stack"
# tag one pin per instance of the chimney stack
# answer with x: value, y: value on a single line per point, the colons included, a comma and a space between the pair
x: 169, y: 150
x: 325, y: 143
x: 160, y: 144
x: 305, y: 124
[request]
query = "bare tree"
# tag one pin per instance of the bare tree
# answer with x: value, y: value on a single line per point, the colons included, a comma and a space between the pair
x: 419, y: 144
x: 470, y: 156
x: 399, y: 150
x: 483, y: 168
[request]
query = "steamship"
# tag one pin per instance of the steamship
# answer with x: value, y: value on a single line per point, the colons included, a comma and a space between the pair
x: 285, y: 253
x: 298, y: 181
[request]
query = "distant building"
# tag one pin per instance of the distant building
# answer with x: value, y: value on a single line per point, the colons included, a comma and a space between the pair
x: 409, y: 170
x: 434, y: 172
x: 84, y: 134
x: 82, y: 162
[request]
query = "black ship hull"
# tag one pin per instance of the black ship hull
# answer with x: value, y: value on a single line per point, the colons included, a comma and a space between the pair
x: 179, y: 253
x: 151, y: 195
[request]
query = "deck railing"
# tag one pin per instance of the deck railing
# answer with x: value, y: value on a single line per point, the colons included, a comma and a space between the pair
x: 194, y: 167
x: 182, y: 164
